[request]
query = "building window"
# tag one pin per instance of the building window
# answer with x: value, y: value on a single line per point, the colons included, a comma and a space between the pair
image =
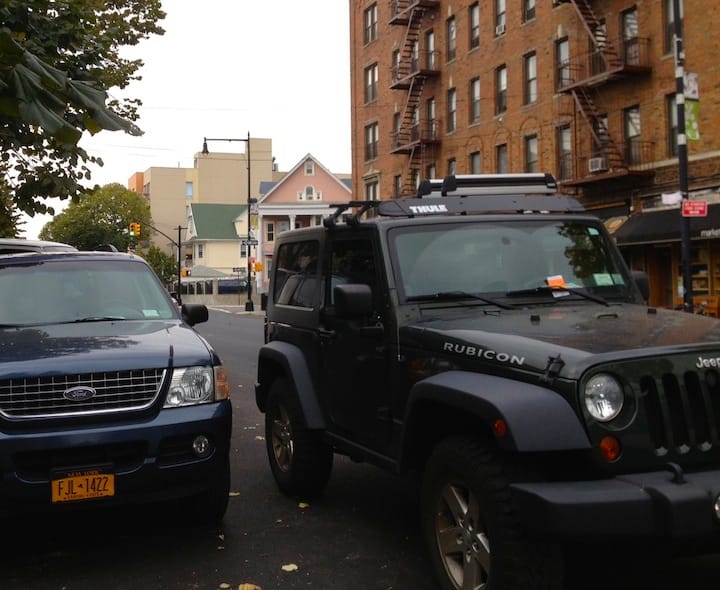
x: 531, y: 153
x: 562, y: 63
x: 631, y: 43
x: 500, y: 90
x: 243, y: 250
x: 672, y: 127
x: 474, y: 21
x: 309, y: 168
x: 475, y: 163
x: 270, y: 231
x: 563, y: 142
x: 371, y: 83
x: 474, y: 100
x: 431, y: 118
x: 188, y: 190
x: 451, y: 38
x: 430, y: 171
x: 669, y: 25
x: 397, y: 186
x: 430, y: 48
x: 372, y: 190
x: 371, y: 23
x: 200, y: 251
x: 451, y: 166
x: 371, y: 141
x: 632, y: 133
x: 501, y: 158
x: 528, y: 10
x: 309, y: 193
x: 500, y: 17
x: 451, y: 110
x: 531, y: 82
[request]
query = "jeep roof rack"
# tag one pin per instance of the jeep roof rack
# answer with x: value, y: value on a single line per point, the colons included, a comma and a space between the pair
x: 463, y: 195
x: 488, y: 184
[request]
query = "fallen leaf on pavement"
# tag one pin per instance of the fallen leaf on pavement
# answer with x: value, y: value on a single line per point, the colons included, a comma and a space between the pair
x: 303, y: 505
x: 290, y: 567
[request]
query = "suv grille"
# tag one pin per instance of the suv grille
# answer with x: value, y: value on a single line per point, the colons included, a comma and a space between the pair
x: 683, y: 410
x: 45, y: 397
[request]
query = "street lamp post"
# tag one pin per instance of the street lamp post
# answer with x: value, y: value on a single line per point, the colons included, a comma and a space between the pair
x: 178, y: 244
x: 249, y: 306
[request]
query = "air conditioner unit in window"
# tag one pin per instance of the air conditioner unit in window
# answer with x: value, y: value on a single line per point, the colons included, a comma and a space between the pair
x: 597, y: 164
x: 499, y: 30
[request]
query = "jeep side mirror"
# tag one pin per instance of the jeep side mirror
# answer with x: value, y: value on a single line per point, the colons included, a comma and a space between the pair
x: 641, y: 280
x: 352, y: 300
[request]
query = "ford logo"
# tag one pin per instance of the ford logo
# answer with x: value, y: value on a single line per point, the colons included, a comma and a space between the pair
x: 79, y: 394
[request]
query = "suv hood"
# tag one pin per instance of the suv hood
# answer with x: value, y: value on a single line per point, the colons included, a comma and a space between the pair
x: 583, y: 335
x: 101, y: 346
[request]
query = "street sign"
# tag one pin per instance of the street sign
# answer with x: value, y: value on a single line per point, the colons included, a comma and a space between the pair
x: 249, y: 242
x: 694, y: 208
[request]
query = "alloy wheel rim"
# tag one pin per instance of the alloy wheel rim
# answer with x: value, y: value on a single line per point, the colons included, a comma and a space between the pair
x: 282, y: 442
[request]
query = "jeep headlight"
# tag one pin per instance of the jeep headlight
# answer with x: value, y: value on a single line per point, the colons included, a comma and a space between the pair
x: 604, y: 397
x: 197, y: 385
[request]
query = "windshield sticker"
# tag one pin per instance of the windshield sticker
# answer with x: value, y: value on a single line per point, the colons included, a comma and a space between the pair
x: 603, y: 279
x: 556, y: 281
x: 484, y: 353
x: 151, y: 313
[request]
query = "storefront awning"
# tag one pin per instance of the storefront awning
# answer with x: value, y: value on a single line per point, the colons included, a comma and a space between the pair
x: 652, y: 227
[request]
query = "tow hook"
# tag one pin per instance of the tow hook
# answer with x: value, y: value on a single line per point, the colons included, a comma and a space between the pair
x: 678, y: 476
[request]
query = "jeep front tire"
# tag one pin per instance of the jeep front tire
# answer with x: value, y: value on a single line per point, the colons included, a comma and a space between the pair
x: 470, y: 524
x: 300, y: 461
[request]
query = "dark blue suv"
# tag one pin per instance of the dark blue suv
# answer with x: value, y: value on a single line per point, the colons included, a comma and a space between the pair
x: 107, y: 394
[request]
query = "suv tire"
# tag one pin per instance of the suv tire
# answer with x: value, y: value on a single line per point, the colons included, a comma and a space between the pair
x: 300, y: 461
x: 467, y: 510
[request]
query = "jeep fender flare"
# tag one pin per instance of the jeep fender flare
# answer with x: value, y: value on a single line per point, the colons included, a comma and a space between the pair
x: 537, y: 419
x: 292, y: 365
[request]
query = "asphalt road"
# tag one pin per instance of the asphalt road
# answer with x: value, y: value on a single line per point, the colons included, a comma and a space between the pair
x: 362, y: 535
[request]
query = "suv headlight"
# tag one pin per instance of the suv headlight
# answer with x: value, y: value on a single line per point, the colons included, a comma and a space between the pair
x: 604, y: 397
x: 197, y: 385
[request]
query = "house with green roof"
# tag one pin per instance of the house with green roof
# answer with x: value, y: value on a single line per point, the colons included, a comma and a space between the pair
x: 215, y: 233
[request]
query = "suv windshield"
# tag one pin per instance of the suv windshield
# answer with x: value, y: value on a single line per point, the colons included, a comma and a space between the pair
x: 80, y: 290
x: 500, y: 257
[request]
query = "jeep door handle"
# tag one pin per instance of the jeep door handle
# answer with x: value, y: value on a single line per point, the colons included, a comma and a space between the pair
x: 327, y: 333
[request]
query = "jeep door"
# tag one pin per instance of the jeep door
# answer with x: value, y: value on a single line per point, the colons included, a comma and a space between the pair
x: 353, y: 350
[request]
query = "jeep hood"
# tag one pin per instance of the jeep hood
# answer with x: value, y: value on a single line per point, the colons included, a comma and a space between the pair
x: 100, y: 346
x: 583, y: 334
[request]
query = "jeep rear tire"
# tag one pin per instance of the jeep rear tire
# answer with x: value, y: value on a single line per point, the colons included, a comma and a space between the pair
x: 300, y: 461
x: 470, y: 524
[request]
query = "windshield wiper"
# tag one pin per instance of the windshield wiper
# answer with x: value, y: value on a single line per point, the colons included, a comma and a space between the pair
x: 99, y: 318
x: 544, y: 289
x: 451, y: 295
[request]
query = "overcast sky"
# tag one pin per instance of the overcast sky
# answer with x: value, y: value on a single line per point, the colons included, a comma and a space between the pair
x: 274, y: 68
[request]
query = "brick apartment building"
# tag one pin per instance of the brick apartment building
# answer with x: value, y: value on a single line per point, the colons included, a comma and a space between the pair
x: 584, y: 89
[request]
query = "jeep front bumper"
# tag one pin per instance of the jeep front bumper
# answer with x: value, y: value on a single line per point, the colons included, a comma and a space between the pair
x: 633, y: 505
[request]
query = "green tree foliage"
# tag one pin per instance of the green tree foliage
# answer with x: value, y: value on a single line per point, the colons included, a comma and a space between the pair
x: 10, y: 220
x: 58, y: 59
x: 101, y: 217
x: 165, y: 266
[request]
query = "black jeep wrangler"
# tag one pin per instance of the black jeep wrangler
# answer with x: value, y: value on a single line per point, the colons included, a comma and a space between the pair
x: 488, y: 336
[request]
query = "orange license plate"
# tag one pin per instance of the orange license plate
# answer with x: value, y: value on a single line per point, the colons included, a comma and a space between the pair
x: 83, y: 485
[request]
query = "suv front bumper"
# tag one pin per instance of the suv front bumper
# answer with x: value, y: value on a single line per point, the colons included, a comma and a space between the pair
x: 151, y: 459
x: 633, y: 505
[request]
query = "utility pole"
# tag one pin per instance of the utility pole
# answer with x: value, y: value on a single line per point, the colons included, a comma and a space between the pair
x: 685, y: 249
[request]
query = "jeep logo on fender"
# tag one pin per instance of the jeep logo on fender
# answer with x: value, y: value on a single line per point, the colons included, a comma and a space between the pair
x: 79, y: 394
x: 484, y: 353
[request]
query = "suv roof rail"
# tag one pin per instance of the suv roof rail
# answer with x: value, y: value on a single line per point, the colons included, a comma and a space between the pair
x: 488, y: 184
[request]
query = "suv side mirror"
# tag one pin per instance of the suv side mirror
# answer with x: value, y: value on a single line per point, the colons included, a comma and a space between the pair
x: 352, y: 300
x: 641, y: 280
x: 194, y: 313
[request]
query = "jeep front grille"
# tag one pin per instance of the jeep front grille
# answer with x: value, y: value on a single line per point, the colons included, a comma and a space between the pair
x: 683, y: 410
x: 44, y: 397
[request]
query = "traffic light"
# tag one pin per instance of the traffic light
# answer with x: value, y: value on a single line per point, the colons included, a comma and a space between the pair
x: 134, y: 229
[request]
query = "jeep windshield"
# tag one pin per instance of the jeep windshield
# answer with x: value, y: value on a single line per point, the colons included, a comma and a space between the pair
x: 518, y: 260
x: 79, y: 290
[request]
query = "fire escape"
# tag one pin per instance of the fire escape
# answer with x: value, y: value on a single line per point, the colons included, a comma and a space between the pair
x: 415, y: 134
x: 584, y: 77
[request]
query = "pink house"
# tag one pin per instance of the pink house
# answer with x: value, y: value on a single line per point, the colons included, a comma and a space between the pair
x: 300, y: 199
